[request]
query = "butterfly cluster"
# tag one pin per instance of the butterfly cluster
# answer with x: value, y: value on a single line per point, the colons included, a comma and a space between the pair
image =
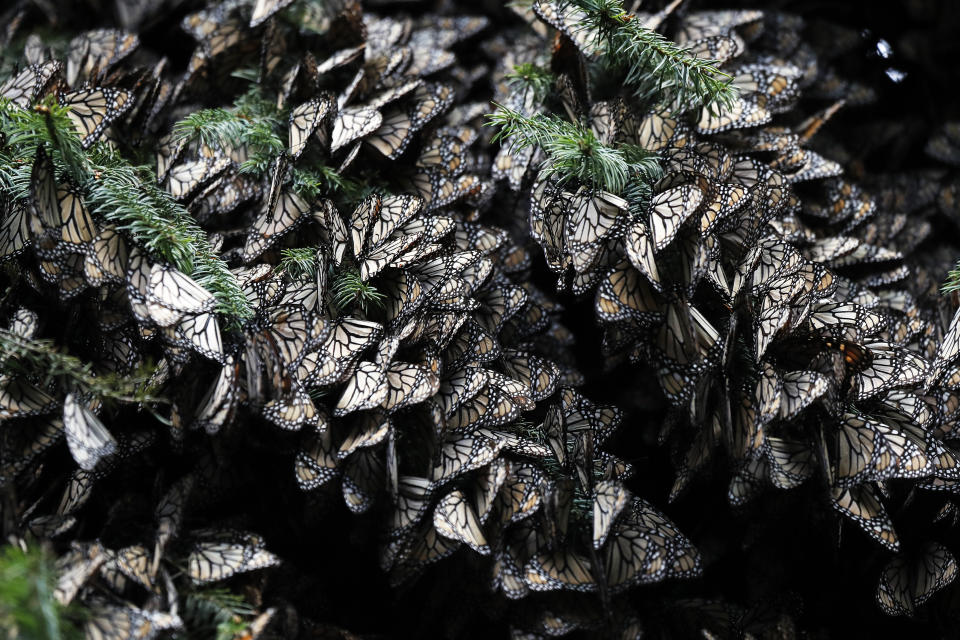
x: 405, y: 367
x: 776, y: 299
x: 280, y: 331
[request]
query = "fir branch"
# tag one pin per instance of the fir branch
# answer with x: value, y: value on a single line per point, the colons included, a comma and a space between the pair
x: 530, y: 77
x: 573, y: 151
x: 657, y: 69
x: 49, y: 124
x: 350, y: 290
x: 118, y: 191
x: 252, y: 124
x: 213, y: 127
x: 41, y: 359
x: 527, y: 429
x: 311, y: 182
x: 128, y: 196
x: 953, y: 280
x: 214, y: 613
x: 28, y: 608
x: 298, y: 262
x: 638, y: 194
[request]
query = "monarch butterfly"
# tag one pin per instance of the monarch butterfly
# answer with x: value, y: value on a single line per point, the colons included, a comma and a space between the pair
x: 720, y: 48
x: 570, y: 20
x: 790, y: 462
x: 347, y: 339
x: 353, y: 123
x: 725, y: 200
x: 745, y: 111
x: 594, y: 216
x: 93, y: 110
x: 97, y: 50
x: 426, y: 57
x: 456, y: 519
x: 171, y: 294
x: 498, y: 304
x: 471, y: 345
x: 316, y: 462
x: 292, y: 331
x: 367, y: 429
x: 226, y: 554
x: 408, y: 384
x: 169, y: 513
x: 682, y: 559
x: 75, y: 568
x: 106, y: 258
x: 363, y: 477
x: 538, y: 375
x: 185, y: 180
x: 304, y: 120
x: 217, y: 407
x: 508, y: 576
x: 490, y: 408
x: 413, y: 499
x: 562, y: 569
x: 632, y: 558
x: 888, y: 366
x: 127, y: 563
x: 366, y: 387
x: 669, y: 209
x: 30, y: 84
x: 548, y: 204
x: 908, y: 451
x: 287, y: 213
x: 800, y: 389
x: 15, y: 229
x: 485, y: 490
x: 704, y: 24
x: 910, y: 579
x: 339, y: 59
x: 399, y: 124
x: 860, y: 504
x: 609, y: 499
x: 812, y: 166
x: 420, y: 549
x: 88, y: 439
x: 263, y: 10
x: 447, y: 152
x: 521, y: 495
x: 776, y: 83
x: 861, y: 451
x: 947, y: 350
x: 460, y: 386
x: 200, y: 332
x: 582, y: 415
x: 456, y: 457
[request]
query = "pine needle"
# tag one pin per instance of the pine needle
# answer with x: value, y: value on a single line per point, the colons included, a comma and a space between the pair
x: 41, y: 359
x: 573, y: 151
x: 531, y: 77
x: 215, y: 614
x: 656, y: 69
x: 953, y: 280
x: 298, y: 262
x: 252, y: 123
x: 349, y: 290
x: 28, y: 608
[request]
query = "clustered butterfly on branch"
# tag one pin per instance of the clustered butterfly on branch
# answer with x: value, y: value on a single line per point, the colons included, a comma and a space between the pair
x: 309, y: 305
x: 784, y: 330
